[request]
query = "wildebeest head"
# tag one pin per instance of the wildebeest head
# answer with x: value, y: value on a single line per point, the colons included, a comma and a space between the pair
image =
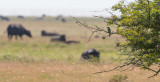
x: 28, y: 33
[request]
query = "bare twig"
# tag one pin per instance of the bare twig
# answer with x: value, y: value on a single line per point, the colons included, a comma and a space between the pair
x: 118, y: 67
x: 91, y: 36
x: 116, y: 59
x: 156, y: 73
x: 94, y: 29
x: 129, y: 68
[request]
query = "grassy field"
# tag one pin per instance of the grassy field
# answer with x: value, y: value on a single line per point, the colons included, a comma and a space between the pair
x: 39, y: 60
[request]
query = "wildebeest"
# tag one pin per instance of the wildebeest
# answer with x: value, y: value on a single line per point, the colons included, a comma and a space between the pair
x: 17, y: 30
x: 61, y: 38
x: 43, y: 15
x: 21, y: 17
x: 72, y: 42
x: 91, y: 54
x: 63, y: 20
x: 4, y: 18
x: 44, y: 33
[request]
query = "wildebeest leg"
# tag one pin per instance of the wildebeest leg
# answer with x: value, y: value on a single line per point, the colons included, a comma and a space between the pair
x: 21, y: 37
x: 10, y: 37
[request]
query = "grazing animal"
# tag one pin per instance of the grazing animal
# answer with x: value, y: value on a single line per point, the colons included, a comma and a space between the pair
x: 44, y: 33
x: 72, y: 42
x: 17, y: 30
x: 91, y: 54
x: 43, y: 15
x: 21, y: 17
x: 4, y: 18
x: 63, y: 20
x: 61, y: 38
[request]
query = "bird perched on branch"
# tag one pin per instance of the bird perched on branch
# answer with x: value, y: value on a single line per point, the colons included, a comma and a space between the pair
x: 109, y: 31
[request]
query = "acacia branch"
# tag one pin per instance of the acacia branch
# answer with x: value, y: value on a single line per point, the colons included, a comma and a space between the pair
x: 156, y: 73
x: 118, y: 67
x: 129, y: 68
x: 93, y: 29
x: 91, y: 35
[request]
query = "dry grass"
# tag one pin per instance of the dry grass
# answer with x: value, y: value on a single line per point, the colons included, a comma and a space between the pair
x: 65, y: 72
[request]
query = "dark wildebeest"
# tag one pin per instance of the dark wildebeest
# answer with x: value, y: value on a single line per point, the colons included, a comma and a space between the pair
x: 72, y: 42
x: 43, y: 15
x: 17, y: 30
x: 4, y: 18
x: 63, y: 20
x: 61, y: 38
x: 91, y: 54
x: 21, y: 17
x: 44, y: 33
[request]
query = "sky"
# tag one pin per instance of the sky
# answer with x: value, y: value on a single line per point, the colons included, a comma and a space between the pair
x: 55, y: 7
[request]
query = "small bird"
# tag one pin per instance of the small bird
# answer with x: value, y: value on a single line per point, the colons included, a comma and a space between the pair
x: 109, y: 31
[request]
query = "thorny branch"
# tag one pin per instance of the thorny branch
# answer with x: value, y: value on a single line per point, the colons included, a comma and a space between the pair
x: 133, y: 65
x: 107, y: 10
x: 105, y: 19
x: 94, y: 29
x: 156, y: 72
x: 118, y: 67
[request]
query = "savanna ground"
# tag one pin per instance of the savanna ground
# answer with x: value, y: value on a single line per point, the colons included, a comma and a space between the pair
x: 39, y: 60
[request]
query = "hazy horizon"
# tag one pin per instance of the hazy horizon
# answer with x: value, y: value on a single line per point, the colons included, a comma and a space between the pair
x: 55, y: 7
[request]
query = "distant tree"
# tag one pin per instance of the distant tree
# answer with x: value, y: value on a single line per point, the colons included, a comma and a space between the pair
x: 139, y: 23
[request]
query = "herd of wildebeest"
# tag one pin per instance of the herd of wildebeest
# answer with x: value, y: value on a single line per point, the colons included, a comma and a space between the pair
x: 19, y: 30
x: 58, y: 18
